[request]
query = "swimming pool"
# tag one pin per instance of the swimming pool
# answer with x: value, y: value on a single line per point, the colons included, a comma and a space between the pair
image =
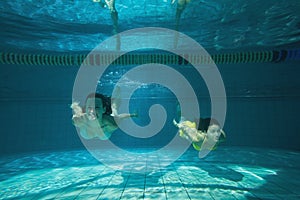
x: 241, y: 61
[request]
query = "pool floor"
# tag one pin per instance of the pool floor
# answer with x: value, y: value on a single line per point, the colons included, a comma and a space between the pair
x: 226, y: 173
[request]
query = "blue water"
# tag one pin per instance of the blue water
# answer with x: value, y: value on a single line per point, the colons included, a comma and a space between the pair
x: 79, y: 25
x: 43, y: 157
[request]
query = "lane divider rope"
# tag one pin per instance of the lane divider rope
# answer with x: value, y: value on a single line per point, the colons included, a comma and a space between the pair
x: 275, y: 56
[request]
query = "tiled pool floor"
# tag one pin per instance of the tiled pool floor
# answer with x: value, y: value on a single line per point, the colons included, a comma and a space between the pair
x: 226, y: 173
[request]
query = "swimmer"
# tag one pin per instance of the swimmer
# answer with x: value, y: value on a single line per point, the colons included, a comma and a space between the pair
x: 110, y: 4
x: 206, y: 137
x: 97, y: 119
x: 181, y: 5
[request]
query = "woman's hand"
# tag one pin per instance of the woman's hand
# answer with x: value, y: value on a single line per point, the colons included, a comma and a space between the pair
x: 79, y: 118
x: 134, y: 115
x: 77, y: 110
x: 178, y: 125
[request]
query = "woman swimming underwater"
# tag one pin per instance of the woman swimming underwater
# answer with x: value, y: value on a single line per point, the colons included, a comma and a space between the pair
x: 98, y: 118
x: 204, y: 139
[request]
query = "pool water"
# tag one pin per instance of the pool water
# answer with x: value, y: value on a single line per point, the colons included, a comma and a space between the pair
x: 226, y: 173
x: 255, y: 45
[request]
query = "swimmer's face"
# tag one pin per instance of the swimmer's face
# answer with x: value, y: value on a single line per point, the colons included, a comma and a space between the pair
x: 94, y: 108
x: 214, y: 132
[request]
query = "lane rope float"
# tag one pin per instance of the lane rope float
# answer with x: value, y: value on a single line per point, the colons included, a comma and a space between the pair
x: 274, y: 56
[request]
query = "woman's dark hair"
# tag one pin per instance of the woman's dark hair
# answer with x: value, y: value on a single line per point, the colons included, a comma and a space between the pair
x: 204, y: 123
x: 106, y: 101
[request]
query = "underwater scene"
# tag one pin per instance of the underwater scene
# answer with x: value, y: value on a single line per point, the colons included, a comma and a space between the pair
x: 150, y: 99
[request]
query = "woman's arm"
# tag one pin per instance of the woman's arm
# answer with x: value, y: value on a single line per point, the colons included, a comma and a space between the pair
x: 115, y: 103
x: 190, y: 132
x: 115, y: 113
x: 193, y: 134
x: 79, y: 118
